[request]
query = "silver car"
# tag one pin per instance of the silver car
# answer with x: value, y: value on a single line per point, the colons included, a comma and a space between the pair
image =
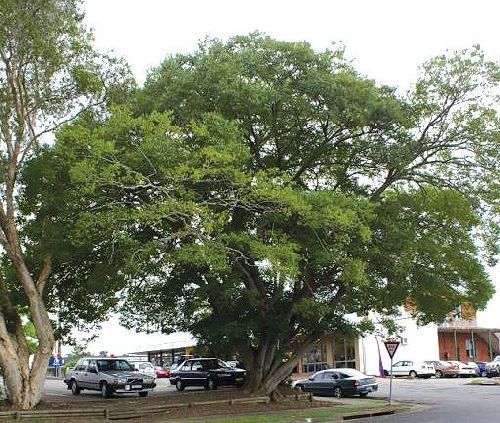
x: 109, y: 376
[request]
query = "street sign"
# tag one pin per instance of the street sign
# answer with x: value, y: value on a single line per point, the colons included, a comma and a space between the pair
x: 391, y: 347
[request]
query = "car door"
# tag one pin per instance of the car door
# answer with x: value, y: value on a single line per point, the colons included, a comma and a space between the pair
x: 184, y: 373
x: 329, y: 382
x: 78, y: 371
x: 199, y: 372
x: 398, y: 368
x: 315, y: 383
x: 92, y: 378
x: 82, y: 374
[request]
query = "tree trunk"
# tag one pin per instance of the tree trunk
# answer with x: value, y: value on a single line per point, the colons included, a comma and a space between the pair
x: 23, y: 384
x: 23, y: 387
x: 268, y: 369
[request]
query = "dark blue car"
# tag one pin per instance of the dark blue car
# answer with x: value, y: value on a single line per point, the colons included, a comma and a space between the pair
x: 339, y: 383
x: 481, y: 368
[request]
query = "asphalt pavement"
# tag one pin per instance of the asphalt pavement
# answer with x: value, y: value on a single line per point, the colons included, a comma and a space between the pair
x: 441, y: 401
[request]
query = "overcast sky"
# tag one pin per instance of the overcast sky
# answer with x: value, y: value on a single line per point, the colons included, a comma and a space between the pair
x: 387, y: 39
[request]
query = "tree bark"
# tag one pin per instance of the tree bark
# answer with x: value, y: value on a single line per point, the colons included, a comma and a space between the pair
x: 268, y: 369
x: 23, y: 384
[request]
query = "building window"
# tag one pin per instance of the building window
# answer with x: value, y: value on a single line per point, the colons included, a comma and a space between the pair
x: 344, y: 353
x: 469, y: 348
x: 315, y: 359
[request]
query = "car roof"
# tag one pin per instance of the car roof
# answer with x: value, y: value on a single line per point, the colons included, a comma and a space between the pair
x: 204, y: 358
x: 103, y: 358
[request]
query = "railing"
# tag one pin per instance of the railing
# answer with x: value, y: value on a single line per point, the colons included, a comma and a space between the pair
x: 108, y: 414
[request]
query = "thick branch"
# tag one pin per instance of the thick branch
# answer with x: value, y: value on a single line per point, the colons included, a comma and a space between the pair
x: 44, y: 273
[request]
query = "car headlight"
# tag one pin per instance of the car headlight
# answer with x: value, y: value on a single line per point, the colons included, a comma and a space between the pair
x: 122, y: 380
x: 148, y: 381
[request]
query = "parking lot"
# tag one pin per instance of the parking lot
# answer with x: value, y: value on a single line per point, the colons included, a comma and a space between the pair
x: 443, y: 401
x: 440, y: 400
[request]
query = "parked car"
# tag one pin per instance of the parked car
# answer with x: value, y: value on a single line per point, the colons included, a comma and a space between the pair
x: 145, y: 367
x: 179, y: 360
x: 493, y: 367
x: 465, y: 369
x: 444, y: 368
x: 108, y: 375
x: 162, y: 372
x: 207, y: 372
x: 338, y: 382
x: 413, y: 369
x: 481, y: 367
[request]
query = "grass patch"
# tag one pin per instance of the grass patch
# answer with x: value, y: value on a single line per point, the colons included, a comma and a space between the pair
x: 317, y: 414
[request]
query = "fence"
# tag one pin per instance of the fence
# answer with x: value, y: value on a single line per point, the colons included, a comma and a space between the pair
x: 108, y: 414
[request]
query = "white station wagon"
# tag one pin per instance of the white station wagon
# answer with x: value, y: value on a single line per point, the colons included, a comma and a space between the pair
x: 413, y: 369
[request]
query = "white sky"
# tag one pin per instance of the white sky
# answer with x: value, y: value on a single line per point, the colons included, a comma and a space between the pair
x: 388, y: 39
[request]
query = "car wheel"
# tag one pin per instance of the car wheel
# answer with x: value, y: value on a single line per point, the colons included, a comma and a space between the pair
x: 483, y: 373
x: 413, y: 374
x: 75, y: 389
x: 143, y: 394
x: 439, y: 374
x: 337, y: 392
x: 363, y: 394
x: 179, y: 385
x: 105, y: 391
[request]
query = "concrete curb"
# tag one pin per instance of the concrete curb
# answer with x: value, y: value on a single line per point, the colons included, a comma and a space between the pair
x: 368, y: 413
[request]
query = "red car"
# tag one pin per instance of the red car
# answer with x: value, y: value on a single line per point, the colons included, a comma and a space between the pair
x: 162, y: 372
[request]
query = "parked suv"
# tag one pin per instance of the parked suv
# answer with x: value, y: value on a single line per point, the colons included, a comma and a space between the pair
x: 207, y: 372
x: 108, y: 375
x: 493, y: 367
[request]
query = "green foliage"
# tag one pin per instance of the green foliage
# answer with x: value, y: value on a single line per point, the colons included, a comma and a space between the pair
x: 256, y: 193
x: 46, y: 50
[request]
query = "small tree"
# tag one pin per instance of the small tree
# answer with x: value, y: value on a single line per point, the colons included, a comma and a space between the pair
x: 48, y: 75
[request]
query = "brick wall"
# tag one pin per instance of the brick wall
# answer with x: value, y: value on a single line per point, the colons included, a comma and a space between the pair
x: 447, y: 349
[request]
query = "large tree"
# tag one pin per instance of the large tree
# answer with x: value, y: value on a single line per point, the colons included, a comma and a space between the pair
x: 262, y: 192
x: 49, y: 74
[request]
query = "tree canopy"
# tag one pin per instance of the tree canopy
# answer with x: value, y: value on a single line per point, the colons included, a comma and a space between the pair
x: 256, y: 192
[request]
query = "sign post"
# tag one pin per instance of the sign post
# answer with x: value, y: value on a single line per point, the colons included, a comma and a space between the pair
x: 391, y: 347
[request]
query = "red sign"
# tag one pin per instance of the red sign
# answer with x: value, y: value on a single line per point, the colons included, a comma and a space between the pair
x: 391, y: 347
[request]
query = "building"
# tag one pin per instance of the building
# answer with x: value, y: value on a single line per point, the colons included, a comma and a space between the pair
x: 169, y: 349
x: 458, y: 338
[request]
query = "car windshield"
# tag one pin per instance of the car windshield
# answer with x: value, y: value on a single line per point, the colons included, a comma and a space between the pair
x: 105, y: 365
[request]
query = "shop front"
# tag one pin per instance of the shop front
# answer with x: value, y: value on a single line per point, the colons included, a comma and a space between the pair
x: 332, y: 351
